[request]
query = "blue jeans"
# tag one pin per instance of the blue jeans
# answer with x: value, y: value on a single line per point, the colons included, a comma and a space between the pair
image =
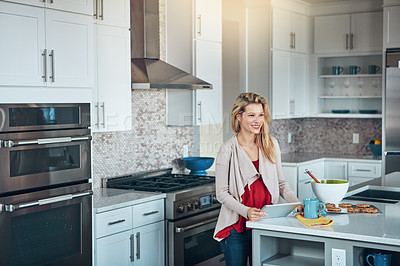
x: 237, y: 248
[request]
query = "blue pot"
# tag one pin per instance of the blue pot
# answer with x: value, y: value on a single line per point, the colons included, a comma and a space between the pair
x: 198, y: 165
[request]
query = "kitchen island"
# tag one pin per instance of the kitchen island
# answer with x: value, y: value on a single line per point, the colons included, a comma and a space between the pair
x: 286, y: 241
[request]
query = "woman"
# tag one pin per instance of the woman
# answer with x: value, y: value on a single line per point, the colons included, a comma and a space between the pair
x: 248, y: 176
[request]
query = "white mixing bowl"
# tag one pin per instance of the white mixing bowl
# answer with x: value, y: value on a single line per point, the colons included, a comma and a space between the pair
x: 330, y: 190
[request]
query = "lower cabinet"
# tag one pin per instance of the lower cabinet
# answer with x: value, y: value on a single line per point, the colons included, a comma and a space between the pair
x: 304, y: 189
x: 133, y: 235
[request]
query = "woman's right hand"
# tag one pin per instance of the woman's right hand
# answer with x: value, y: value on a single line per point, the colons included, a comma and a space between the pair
x: 255, y: 214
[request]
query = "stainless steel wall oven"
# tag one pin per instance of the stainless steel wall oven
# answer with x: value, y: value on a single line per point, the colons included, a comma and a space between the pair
x: 45, y: 193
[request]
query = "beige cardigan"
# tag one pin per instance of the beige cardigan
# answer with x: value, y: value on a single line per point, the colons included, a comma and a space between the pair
x: 234, y: 170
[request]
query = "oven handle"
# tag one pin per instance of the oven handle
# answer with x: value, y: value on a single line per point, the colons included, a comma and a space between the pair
x: 10, y: 143
x: 11, y: 207
x: 184, y: 229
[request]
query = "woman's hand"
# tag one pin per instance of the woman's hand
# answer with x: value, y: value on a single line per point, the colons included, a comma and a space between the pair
x: 300, y: 209
x: 255, y: 214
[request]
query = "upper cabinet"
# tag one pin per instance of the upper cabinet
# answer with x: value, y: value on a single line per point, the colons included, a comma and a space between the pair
x: 112, y: 12
x: 391, y: 33
x: 208, y: 20
x: 290, y: 31
x: 76, y: 6
x: 45, y: 47
x: 349, y: 33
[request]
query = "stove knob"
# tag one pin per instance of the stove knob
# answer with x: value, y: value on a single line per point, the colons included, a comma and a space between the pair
x: 181, y: 208
x: 214, y: 199
x: 189, y: 206
x: 196, y: 204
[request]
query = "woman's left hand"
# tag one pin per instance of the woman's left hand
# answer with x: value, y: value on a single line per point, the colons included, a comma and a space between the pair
x: 300, y: 209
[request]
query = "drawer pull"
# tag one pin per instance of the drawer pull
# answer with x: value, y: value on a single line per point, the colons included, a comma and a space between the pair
x: 150, y: 213
x: 116, y: 222
x: 363, y: 170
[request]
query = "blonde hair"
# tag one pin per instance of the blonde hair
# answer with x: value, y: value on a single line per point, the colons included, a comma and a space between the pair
x: 263, y: 140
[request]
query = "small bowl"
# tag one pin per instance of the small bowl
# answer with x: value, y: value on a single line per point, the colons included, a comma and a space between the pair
x: 330, y: 190
x: 198, y: 165
x: 376, y: 149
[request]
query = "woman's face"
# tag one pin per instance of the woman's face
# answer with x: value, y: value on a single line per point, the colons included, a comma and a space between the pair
x: 252, y: 119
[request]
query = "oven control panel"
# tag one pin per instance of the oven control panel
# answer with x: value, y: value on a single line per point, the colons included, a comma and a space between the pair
x: 196, y: 204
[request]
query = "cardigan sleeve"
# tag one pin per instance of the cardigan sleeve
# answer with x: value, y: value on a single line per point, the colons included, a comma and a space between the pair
x: 223, y: 177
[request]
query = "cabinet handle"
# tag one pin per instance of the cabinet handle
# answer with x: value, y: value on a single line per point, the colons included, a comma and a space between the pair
x: 44, y: 54
x: 51, y: 1
x: 95, y: 15
x: 291, y: 40
x: 199, y: 25
x: 53, y: 74
x: 291, y: 107
x: 104, y: 115
x: 308, y: 182
x: 363, y: 170
x: 150, y: 213
x: 351, y: 41
x: 138, y: 245
x: 98, y: 115
x: 101, y: 16
x: 132, y: 255
x: 199, y: 118
x: 294, y: 40
x: 347, y: 41
x: 116, y: 222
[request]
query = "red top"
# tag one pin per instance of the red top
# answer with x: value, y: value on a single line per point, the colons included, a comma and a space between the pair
x: 257, y: 196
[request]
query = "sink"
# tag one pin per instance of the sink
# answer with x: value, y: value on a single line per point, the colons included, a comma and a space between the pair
x: 375, y: 194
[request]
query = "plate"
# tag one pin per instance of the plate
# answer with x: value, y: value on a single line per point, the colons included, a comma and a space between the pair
x: 344, y: 111
x: 279, y: 210
x: 368, y: 111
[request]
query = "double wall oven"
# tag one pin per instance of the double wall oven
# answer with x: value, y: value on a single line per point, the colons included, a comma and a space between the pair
x: 45, y: 193
x: 191, y: 211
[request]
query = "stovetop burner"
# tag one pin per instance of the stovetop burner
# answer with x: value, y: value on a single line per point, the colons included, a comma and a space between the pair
x: 159, y: 181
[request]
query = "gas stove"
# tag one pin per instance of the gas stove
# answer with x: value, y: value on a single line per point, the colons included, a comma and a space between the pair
x: 186, y: 194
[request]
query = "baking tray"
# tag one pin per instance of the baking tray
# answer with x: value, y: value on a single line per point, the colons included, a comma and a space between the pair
x: 344, y: 210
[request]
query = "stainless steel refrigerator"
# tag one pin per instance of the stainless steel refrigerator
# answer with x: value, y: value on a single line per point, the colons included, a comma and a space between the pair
x: 391, y: 149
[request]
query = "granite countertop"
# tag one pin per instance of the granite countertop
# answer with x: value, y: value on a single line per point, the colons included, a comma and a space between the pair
x: 382, y: 228
x: 106, y: 199
x: 300, y: 157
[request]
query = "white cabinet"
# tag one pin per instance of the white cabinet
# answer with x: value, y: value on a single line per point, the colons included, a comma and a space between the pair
x: 335, y: 170
x: 133, y: 235
x: 208, y: 15
x: 76, y: 6
x: 45, y: 47
x: 304, y: 189
x: 360, y: 172
x: 359, y: 32
x: 290, y: 174
x: 391, y: 30
x: 209, y: 68
x: 111, y: 105
x: 290, y: 31
x: 289, y: 84
x: 112, y: 13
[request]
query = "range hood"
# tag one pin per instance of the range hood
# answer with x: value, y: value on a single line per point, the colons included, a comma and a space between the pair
x: 148, y: 71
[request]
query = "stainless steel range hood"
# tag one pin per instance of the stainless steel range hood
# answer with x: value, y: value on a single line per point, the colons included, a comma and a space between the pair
x: 148, y: 71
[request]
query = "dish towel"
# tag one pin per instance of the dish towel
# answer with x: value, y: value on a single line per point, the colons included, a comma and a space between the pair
x: 319, y: 222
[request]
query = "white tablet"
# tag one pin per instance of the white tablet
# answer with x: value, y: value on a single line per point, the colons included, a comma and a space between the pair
x: 279, y: 210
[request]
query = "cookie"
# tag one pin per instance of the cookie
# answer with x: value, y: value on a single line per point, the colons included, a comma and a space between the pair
x: 362, y: 205
x: 332, y: 209
x: 345, y: 205
x: 369, y: 210
x: 330, y: 205
x: 353, y: 210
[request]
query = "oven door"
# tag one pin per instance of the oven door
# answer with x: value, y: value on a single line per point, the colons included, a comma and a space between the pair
x: 191, y: 241
x: 39, y: 159
x: 50, y: 227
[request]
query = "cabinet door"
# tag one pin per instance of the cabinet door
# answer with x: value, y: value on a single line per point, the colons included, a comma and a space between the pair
x: 209, y: 20
x: 69, y: 40
x: 113, y: 80
x: 367, y: 31
x: 290, y: 174
x: 304, y: 190
x: 22, y: 46
x: 300, y: 27
x: 391, y: 27
x: 335, y: 170
x: 209, y: 68
x: 330, y: 34
x: 112, y: 13
x: 281, y: 29
x: 280, y: 84
x: 298, y: 84
x: 114, y: 250
x: 149, y: 245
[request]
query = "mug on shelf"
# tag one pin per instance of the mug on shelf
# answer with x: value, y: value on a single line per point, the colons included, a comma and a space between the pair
x: 378, y: 259
x: 313, y: 208
x: 373, y: 69
x: 353, y: 70
x: 336, y: 70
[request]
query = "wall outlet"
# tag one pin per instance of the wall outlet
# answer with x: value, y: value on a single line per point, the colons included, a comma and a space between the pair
x: 185, y: 151
x: 356, y: 138
x: 289, y: 137
x: 338, y: 257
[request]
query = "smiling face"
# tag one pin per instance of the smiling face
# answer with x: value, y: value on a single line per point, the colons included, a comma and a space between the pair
x: 252, y: 119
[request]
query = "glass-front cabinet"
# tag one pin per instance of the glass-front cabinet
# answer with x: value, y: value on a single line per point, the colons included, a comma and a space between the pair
x: 350, y: 86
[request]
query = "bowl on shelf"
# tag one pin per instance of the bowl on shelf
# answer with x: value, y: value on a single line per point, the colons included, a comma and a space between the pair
x: 344, y: 111
x: 330, y: 190
x: 376, y: 149
x: 367, y: 111
x: 198, y: 165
